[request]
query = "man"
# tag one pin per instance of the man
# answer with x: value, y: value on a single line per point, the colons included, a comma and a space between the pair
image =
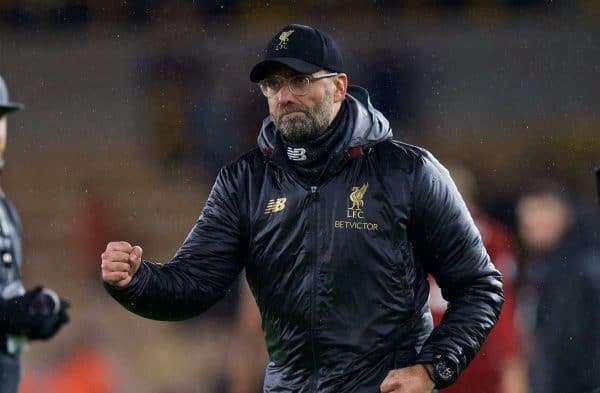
x: 337, y: 226
x: 37, y: 314
x: 560, y: 296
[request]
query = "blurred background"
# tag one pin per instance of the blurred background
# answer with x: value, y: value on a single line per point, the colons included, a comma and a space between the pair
x: 133, y: 106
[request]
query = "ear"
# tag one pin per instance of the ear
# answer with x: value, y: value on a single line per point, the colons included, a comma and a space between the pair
x: 340, y: 83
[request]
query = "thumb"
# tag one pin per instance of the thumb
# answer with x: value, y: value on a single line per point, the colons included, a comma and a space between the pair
x: 135, y: 258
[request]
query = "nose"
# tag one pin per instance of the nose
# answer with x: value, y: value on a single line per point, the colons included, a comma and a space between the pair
x: 284, y: 95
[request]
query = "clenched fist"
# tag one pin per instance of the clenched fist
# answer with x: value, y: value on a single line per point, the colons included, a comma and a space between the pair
x: 120, y: 262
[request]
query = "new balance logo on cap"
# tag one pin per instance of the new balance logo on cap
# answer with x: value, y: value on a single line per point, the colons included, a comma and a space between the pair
x: 275, y: 205
x: 296, y: 154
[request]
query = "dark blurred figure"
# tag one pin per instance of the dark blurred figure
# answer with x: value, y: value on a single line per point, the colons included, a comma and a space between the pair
x: 499, y: 365
x: 166, y: 79
x: 561, y: 291
x: 393, y: 81
x: 597, y: 169
x: 37, y: 314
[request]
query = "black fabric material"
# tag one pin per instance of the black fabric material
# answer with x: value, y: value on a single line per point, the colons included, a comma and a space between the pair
x: 10, y: 275
x: 339, y: 268
x: 323, y: 154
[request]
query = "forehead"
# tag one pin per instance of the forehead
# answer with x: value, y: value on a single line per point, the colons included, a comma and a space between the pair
x: 545, y: 203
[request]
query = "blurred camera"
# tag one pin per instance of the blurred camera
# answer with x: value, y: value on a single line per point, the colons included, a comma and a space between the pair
x: 45, y: 303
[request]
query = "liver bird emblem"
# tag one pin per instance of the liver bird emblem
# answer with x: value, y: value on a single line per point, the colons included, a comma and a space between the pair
x: 356, y: 196
x: 284, y: 37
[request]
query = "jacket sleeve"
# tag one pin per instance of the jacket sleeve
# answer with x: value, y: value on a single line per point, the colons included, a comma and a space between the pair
x: 450, y: 247
x: 202, y: 270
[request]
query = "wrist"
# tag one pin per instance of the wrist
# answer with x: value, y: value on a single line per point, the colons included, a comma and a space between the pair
x: 444, y: 371
x: 429, y: 371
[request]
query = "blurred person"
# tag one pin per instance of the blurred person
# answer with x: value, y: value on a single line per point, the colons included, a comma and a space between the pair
x: 392, y: 77
x: 36, y: 314
x: 498, y: 367
x: 91, y: 226
x: 83, y: 368
x: 337, y: 226
x: 560, y: 295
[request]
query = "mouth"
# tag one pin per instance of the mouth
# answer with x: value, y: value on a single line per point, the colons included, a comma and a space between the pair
x: 293, y: 113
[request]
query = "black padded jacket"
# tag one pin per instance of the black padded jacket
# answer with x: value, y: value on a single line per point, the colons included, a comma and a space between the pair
x: 338, y: 268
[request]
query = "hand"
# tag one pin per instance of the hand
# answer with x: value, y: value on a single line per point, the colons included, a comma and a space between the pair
x: 413, y: 379
x: 120, y: 262
x: 39, y: 314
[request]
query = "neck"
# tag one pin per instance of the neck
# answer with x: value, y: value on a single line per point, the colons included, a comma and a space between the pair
x: 323, y: 153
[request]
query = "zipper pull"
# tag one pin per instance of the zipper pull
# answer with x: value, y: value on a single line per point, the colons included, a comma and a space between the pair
x: 314, y: 193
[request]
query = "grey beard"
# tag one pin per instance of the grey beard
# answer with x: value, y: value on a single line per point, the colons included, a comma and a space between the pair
x: 300, y: 130
x: 305, y: 128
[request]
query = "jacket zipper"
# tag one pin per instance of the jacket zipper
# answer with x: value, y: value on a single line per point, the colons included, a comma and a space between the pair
x: 314, y: 194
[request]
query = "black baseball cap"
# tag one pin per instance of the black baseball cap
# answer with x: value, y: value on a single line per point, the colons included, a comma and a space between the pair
x: 303, y: 49
x: 6, y: 105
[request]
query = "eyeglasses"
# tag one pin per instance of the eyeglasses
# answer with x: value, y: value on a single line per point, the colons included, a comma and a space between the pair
x: 298, y: 84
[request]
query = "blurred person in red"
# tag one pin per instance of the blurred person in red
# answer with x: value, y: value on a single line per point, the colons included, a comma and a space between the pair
x: 498, y: 367
x: 560, y: 294
x: 84, y: 369
x: 92, y: 227
x: 37, y: 314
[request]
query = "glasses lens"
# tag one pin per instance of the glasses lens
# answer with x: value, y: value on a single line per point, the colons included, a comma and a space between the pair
x: 270, y: 87
x: 299, y: 84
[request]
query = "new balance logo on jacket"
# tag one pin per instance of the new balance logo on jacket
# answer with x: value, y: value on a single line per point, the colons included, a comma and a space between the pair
x: 296, y: 154
x: 275, y: 205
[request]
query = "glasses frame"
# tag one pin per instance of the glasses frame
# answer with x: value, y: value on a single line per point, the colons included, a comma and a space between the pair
x: 286, y: 82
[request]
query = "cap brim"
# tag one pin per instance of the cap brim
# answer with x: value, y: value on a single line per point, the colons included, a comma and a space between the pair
x: 262, y: 69
x: 10, y: 107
